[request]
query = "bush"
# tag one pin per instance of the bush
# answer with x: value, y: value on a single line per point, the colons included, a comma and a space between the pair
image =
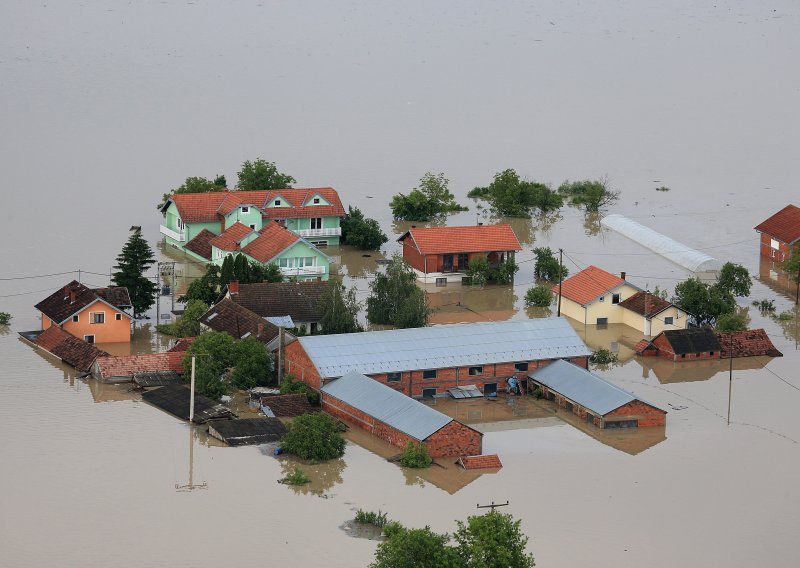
x: 371, y: 518
x: 314, y: 437
x: 478, y: 272
x: 540, y: 296
x: 765, y: 306
x: 253, y: 364
x: 511, y: 196
x: 391, y: 528
x: 416, y: 456
x: 784, y: 316
x: 431, y: 199
x: 5, y: 318
x: 547, y: 266
x: 361, y: 232
x: 732, y: 322
x: 296, y: 477
x: 592, y: 195
x: 291, y: 386
x: 662, y: 188
x: 603, y: 356
x: 188, y: 325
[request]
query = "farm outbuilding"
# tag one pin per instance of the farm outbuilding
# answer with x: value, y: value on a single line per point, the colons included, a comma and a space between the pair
x: 594, y: 399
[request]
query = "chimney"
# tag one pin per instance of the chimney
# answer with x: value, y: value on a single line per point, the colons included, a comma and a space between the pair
x: 260, y: 330
x: 71, y: 296
x: 233, y: 287
x: 622, y: 275
x: 413, y: 226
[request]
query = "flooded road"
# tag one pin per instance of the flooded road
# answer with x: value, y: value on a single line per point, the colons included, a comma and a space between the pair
x: 105, y: 107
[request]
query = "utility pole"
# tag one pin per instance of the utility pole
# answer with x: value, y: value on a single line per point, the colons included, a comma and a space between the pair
x: 560, y: 277
x: 730, y: 373
x: 492, y: 506
x: 79, y: 277
x: 191, y: 393
x: 191, y: 486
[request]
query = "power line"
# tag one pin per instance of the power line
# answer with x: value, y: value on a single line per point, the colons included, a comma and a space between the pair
x: 38, y: 275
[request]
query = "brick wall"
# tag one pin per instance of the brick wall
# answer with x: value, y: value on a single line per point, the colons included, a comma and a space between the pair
x: 454, y: 440
x: 412, y: 256
x: 637, y: 410
x: 783, y: 252
x: 298, y: 364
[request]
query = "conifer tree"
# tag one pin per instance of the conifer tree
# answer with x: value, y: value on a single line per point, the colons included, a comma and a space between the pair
x: 227, y: 273
x: 132, y: 263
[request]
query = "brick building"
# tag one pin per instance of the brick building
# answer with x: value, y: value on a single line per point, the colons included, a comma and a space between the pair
x: 594, y: 399
x: 425, y: 362
x: 780, y: 233
x: 397, y: 419
x: 682, y: 345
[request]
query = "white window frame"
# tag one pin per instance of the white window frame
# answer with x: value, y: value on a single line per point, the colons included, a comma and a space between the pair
x: 774, y: 244
x: 669, y: 320
x: 245, y: 209
x: 316, y: 221
x: 117, y: 317
x: 86, y: 338
x: 276, y: 203
x: 92, y: 318
x: 602, y: 298
x: 316, y: 201
x: 618, y: 298
x: 253, y: 226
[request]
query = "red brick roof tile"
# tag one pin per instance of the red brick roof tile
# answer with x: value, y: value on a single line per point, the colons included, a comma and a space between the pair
x: 748, y: 343
x: 201, y: 244
x: 645, y: 304
x: 476, y: 238
x: 491, y: 461
x: 230, y: 238
x: 68, y: 348
x: 643, y: 345
x: 784, y: 225
x: 273, y: 240
x: 72, y: 298
x: 588, y: 284
x: 199, y: 207
x: 182, y: 344
x: 128, y: 366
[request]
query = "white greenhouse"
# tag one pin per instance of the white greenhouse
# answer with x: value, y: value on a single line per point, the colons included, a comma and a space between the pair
x: 671, y: 249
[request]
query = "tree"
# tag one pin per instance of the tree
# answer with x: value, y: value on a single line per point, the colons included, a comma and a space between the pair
x: 252, y: 364
x: 269, y: 272
x: 493, y: 540
x: 735, y: 279
x: 478, y: 271
x: 226, y: 273
x: 592, y: 195
x: 245, y: 271
x: 360, y: 232
x: 416, y: 548
x: 431, y: 199
x: 314, y: 436
x: 791, y: 265
x: 5, y: 318
x: 339, y: 309
x: 134, y: 260
x: 415, y: 456
x: 732, y: 322
x: 188, y: 325
x: 214, y: 351
x: 395, y: 298
x: 704, y: 302
x: 196, y: 185
x: 540, y: 296
x: 547, y: 266
x: 261, y: 174
x: 206, y: 288
x: 512, y: 196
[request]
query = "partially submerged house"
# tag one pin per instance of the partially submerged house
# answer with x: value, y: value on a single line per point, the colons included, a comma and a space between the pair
x: 397, y: 419
x: 747, y: 343
x: 311, y: 213
x: 237, y: 321
x: 298, y: 300
x: 780, y: 233
x: 123, y: 369
x: 596, y: 297
x: 427, y: 361
x: 682, y: 345
x: 65, y: 346
x: 442, y: 254
x: 95, y: 315
x: 593, y: 399
x: 176, y: 400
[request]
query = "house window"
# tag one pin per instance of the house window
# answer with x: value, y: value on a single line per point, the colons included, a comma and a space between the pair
x: 429, y: 374
x: 711, y: 353
x: 428, y: 393
x: 118, y: 317
x: 393, y: 377
x: 602, y: 298
x: 475, y: 371
x: 463, y: 261
x: 283, y: 262
x: 668, y: 321
x: 521, y: 366
x: 75, y: 317
x: 774, y: 244
x: 97, y: 317
x: 602, y: 322
x: 277, y: 202
x: 440, y: 282
x: 316, y: 222
x: 88, y: 338
x: 320, y: 244
x: 615, y: 298
x: 245, y: 210
x: 316, y: 201
x: 253, y: 226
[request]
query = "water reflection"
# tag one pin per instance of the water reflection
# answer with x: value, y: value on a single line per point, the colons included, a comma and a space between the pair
x: 356, y: 263
x: 618, y: 338
x: 667, y: 371
x: 789, y: 323
x: 457, y: 303
x: 772, y: 275
x: 324, y: 476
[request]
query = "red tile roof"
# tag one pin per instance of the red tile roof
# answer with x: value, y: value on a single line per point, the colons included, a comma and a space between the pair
x: 480, y: 462
x: 182, y: 344
x: 273, y: 240
x: 475, y: 238
x: 68, y: 348
x: 237, y: 321
x: 643, y: 345
x: 784, y: 225
x: 748, y: 343
x: 72, y: 298
x: 230, y: 238
x: 199, y: 207
x: 128, y: 366
x: 645, y: 304
x: 588, y: 284
x: 201, y: 244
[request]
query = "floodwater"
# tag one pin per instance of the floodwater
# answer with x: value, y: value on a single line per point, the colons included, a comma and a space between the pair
x: 107, y: 105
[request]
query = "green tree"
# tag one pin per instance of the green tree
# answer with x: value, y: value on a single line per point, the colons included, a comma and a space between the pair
x: 339, y: 309
x: 252, y: 364
x: 591, y: 195
x: 361, y: 232
x: 314, y: 436
x: 735, y: 279
x: 395, y: 298
x: 5, y: 318
x: 430, y: 199
x: 206, y: 288
x: 478, y: 271
x: 547, y: 266
x: 415, y: 456
x: 791, y: 265
x: 416, y: 548
x: 261, y: 174
x: 269, y: 272
x: 134, y: 260
x: 732, y: 322
x: 196, y: 185
x: 188, y: 325
x: 227, y: 273
x: 704, y: 302
x: 512, y: 196
x: 215, y: 355
x: 540, y: 296
x: 504, y: 272
x: 493, y: 540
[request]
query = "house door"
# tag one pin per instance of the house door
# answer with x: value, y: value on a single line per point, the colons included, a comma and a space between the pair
x: 428, y: 393
x: 447, y: 263
x: 490, y: 389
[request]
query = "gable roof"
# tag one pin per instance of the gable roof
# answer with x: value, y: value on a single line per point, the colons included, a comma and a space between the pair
x: 588, y: 284
x: 475, y: 238
x: 272, y: 241
x: 230, y: 238
x: 299, y: 300
x: 440, y: 346
x: 583, y: 387
x: 784, y: 225
x: 383, y: 403
x: 198, y: 207
x: 72, y: 298
x: 691, y: 340
x: 485, y: 461
x: 201, y: 244
x: 68, y: 348
x: 109, y: 367
x: 645, y: 304
x: 288, y: 405
x: 301, y: 205
x: 238, y: 322
x: 748, y: 343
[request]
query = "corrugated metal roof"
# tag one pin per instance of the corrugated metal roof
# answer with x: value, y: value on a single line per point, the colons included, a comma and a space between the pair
x: 583, y: 387
x: 387, y: 405
x: 440, y: 346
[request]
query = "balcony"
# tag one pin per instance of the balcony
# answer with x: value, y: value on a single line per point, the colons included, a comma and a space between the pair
x: 178, y: 236
x: 332, y: 232
x: 304, y: 271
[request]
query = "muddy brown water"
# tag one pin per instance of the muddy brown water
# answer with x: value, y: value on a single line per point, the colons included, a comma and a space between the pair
x: 106, y: 106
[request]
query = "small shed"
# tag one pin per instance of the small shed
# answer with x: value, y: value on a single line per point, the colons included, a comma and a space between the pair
x: 594, y: 399
x: 688, y: 344
x: 247, y: 431
x: 175, y: 400
x: 780, y: 233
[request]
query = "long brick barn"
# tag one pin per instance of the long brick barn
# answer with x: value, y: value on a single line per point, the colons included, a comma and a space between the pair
x: 426, y: 361
x: 396, y: 418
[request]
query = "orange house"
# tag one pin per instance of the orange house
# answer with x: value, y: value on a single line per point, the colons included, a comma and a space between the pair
x: 94, y: 315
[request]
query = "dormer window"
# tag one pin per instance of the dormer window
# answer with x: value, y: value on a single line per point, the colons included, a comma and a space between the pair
x: 277, y: 202
x: 316, y: 201
x: 245, y: 210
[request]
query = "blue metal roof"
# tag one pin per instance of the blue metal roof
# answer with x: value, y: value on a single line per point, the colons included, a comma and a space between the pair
x: 582, y: 387
x: 440, y: 346
x: 387, y: 405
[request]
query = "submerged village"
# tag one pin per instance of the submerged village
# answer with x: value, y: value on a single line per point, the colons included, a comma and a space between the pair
x: 267, y: 345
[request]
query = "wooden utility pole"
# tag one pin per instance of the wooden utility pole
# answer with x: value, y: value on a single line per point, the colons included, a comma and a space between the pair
x: 560, y: 278
x: 191, y: 393
x: 492, y: 506
x: 730, y: 373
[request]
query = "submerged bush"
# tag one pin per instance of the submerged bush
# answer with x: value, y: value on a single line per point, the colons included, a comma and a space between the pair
x: 371, y: 518
x: 540, y: 296
x: 5, y: 318
x: 416, y: 456
x: 296, y: 477
x: 291, y: 386
x: 603, y: 356
x: 314, y: 437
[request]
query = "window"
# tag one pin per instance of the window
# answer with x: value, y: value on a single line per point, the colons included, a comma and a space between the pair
x: 393, y: 377
x: 75, y: 317
x: 253, y: 226
x: 441, y: 282
x: 316, y: 201
x: 602, y: 298
x: 475, y: 371
x: 668, y: 321
x: 428, y: 393
x: 463, y: 261
x: 319, y: 244
x: 316, y: 222
x: 615, y: 298
x: 602, y: 322
x: 774, y: 244
x: 283, y: 262
x: 118, y: 317
x: 429, y: 374
x: 711, y: 353
x: 97, y: 317
x: 490, y: 389
x: 277, y: 202
x: 521, y: 366
x: 245, y: 210
x: 88, y: 338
